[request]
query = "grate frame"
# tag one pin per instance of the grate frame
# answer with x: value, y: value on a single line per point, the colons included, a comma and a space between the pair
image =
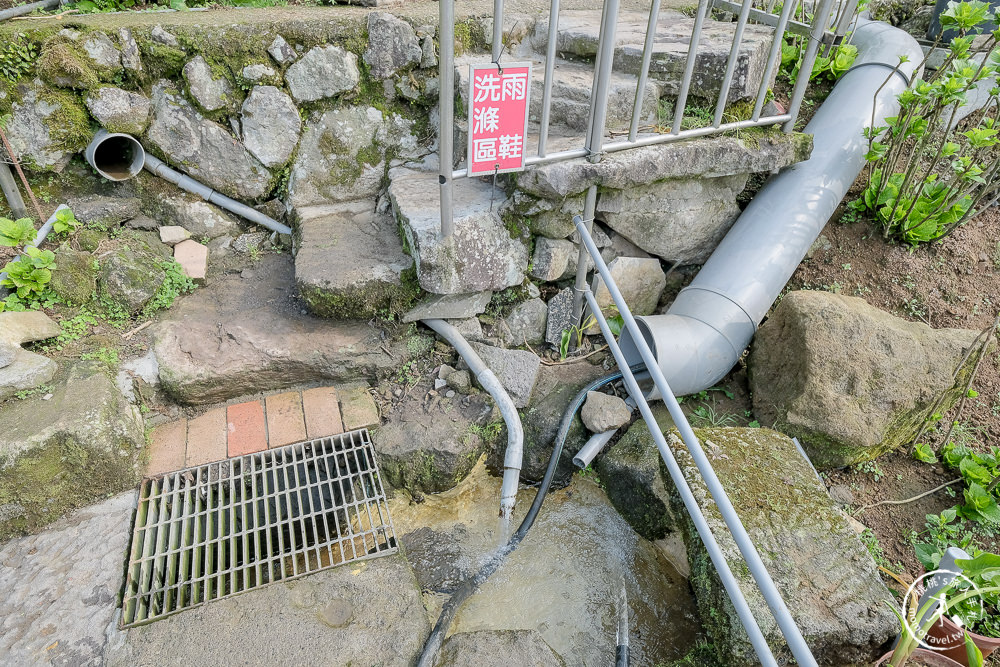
x: 217, y: 530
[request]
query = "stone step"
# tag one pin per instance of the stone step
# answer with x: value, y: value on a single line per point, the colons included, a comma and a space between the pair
x: 481, y: 255
x: 579, y: 33
x: 350, y: 261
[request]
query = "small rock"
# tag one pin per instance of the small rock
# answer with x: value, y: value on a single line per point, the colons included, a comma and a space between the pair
x: 173, y: 234
x: 131, y: 277
x: 842, y: 495
x: 560, y: 316
x: 392, y: 45
x: 142, y: 223
x: 161, y: 36
x: 102, y: 51
x: 450, y: 393
x: 526, y: 323
x: 449, y: 307
x: 641, y: 281
x: 7, y: 353
x: 249, y: 242
x: 357, y: 409
x: 202, y: 219
x: 257, y: 73
x: 533, y: 291
x: 444, y: 371
x: 281, y: 51
x: 460, y: 381
x: 551, y: 258
x: 74, y: 278
x: 210, y: 92
x: 428, y: 56
x: 26, y: 327
x: 604, y: 412
x: 517, y: 370
x: 193, y: 258
x: 470, y: 328
x: 440, y: 384
x: 131, y: 59
x: 118, y: 110
x: 104, y: 211
x: 323, y: 72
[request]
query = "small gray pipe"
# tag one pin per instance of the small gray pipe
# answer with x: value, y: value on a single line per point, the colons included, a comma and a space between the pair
x: 9, y: 187
x: 39, y: 237
x: 27, y: 9
x: 703, y: 334
x: 141, y: 159
x: 597, y: 442
x: 515, y: 432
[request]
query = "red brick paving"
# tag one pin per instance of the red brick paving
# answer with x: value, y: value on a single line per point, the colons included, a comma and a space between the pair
x: 247, y: 428
x: 322, y: 409
x: 285, y: 423
x: 168, y: 443
x: 207, y: 438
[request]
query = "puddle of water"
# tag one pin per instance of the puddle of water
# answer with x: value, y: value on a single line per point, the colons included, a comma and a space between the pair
x: 564, y: 580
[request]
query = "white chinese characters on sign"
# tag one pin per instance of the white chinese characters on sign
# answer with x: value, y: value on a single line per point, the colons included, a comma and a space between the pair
x: 498, y: 115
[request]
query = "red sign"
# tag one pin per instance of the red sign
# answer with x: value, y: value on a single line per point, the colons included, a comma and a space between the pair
x: 498, y: 117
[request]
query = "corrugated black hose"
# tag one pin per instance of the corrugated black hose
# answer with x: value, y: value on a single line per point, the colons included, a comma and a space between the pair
x: 470, y: 585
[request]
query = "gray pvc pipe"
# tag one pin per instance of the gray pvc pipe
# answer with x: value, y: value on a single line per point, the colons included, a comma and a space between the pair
x: 597, y: 442
x: 704, y: 332
x: 27, y: 9
x: 158, y: 167
x: 515, y: 432
x: 9, y: 187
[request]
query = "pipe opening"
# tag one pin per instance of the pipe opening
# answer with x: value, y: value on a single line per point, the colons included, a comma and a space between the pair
x: 628, y: 346
x: 116, y: 157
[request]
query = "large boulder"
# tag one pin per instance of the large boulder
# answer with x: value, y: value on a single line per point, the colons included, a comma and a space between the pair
x: 243, y: 334
x: 79, y: 445
x: 350, y: 262
x: 21, y: 370
x: 431, y: 445
x: 130, y: 277
x: 823, y: 571
x: 210, y: 92
x: 203, y: 149
x: 47, y: 126
x: 497, y: 648
x: 271, y: 125
x: 342, y: 155
x: 324, y: 71
x: 480, y: 255
x: 850, y: 381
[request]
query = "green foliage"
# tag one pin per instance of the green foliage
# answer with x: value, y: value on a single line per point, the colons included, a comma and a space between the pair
x: 830, y: 67
x: 15, y: 233
x: 927, y: 177
x: 706, y: 416
x: 923, y: 452
x: 105, y: 355
x: 175, y: 284
x: 17, y: 57
x: 29, y: 278
x: 65, y: 222
x: 980, y: 472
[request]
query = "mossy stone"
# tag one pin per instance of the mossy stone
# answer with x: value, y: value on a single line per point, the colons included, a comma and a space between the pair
x: 75, y: 277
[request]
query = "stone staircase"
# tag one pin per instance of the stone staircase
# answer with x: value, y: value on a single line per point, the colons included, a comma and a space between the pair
x: 352, y: 262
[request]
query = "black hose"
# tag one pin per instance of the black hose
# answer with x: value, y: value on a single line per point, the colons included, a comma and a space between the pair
x: 470, y: 585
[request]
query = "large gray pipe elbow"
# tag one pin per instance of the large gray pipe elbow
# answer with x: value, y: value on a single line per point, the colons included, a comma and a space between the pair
x: 703, y: 334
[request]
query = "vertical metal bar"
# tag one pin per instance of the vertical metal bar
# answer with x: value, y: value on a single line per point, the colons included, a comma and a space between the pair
x: 779, y: 610
x: 173, y: 546
x: 597, y: 72
x: 595, y: 132
x: 550, y: 61
x: 772, y: 57
x: 589, y: 208
x: 849, y: 9
x: 9, y: 188
x: 692, y: 56
x: 132, y: 589
x: 734, y: 54
x: 715, y: 554
x: 647, y: 55
x: 446, y: 108
x: 802, y: 82
x: 197, y: 566
x: 497, y: 29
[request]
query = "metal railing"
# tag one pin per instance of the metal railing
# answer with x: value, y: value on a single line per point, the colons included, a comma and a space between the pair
x: 796, y: 644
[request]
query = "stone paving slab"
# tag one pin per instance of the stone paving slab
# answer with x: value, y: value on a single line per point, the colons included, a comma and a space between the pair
x: 59, y: 587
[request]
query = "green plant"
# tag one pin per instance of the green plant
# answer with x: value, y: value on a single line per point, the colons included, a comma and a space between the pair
x: 981, y: 474
x: 830, y: 67
x: 926, y: 177
x: 175, y: 284
x: 16, y: 233
x: 705, y: 416
x: 65, y: 222
x: 105, y: 355
x: 29, y: 278
x: 871, y: 468
x: 17, y: 57
x: 870, y: 540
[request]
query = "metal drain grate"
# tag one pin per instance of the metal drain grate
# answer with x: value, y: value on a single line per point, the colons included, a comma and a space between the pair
x: 216, y: 530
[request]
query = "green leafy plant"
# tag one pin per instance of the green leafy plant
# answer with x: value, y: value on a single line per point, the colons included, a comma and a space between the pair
x: 29, y: 278
x: 981, y: 474
x: 65, y: 222
x: 926, y: 177
x: 16, y: 233
x: 175, y: 284
x: 830, y: 67
x: 17, y: 57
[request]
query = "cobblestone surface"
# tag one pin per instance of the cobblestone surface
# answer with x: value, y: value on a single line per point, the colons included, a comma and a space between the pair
x: 60, y: 587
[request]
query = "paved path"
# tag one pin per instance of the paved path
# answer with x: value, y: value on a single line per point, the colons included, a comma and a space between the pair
x: 59, y: 589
